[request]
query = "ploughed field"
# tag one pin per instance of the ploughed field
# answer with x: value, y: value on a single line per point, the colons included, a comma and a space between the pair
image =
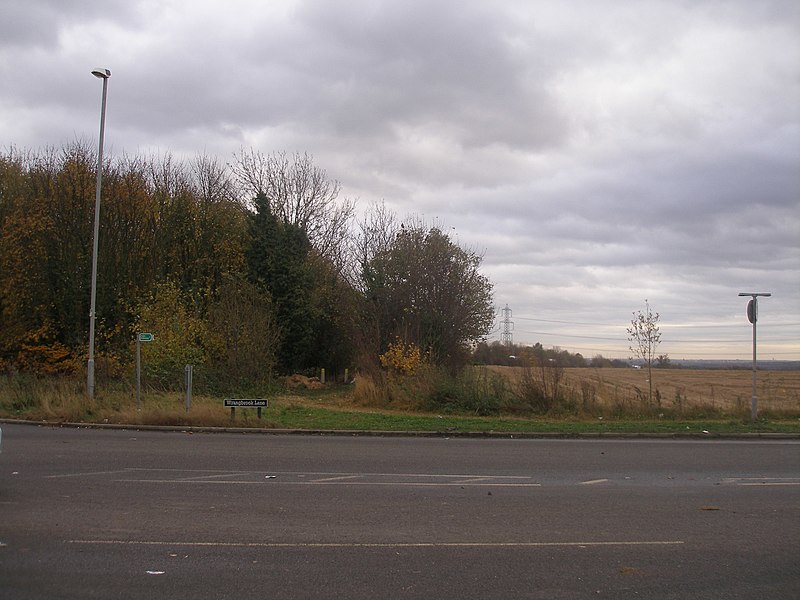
x: 683, y: 389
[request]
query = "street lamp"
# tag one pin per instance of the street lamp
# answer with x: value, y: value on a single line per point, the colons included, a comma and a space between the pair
x: 752, y: 316
x: 103, y: 74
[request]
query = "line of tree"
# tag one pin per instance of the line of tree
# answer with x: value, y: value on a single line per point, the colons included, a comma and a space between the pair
x: 248, y: 269
x: 516, y: 355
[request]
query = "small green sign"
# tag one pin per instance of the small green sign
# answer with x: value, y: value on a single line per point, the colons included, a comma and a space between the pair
x: 145, y: 337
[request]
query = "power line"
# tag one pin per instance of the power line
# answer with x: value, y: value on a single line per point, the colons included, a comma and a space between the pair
x: 585, y: 337
x: 665, y: 325
x: 610, y: 352
x: 567, y: 322
x: 779, y: 339
x: 666, y: 341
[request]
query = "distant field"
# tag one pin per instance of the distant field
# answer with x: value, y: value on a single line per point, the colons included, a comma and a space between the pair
x: 728, y: 390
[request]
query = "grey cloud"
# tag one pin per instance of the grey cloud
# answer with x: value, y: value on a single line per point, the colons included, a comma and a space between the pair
x: 40, y: 23
x: 595, y: 153
x: 426, y: 65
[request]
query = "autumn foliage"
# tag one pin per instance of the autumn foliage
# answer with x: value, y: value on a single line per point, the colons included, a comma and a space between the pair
x: 401, y: 357
x: 241, y: 270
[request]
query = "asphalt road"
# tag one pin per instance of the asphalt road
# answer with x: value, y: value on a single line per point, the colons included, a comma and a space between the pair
x: 134, y: 514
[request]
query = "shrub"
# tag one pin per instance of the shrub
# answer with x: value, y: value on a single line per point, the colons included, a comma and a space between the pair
x: 401, y: 357
x: 473, y: 390
x: 178, y: 337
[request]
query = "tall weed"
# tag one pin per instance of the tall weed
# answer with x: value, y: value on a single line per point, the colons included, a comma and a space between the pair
x: 541, y: 391
x: 474, y: 390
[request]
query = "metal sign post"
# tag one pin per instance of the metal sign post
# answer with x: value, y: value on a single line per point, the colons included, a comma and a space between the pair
x: 188, y: 374
x: 752, y: 316
x: 233, y: 403
x: 142, y: 337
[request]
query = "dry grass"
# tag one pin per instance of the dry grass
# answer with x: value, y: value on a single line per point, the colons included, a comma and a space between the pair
x: 585, y: 393
x: 55, y: 399
x: 685, y: 390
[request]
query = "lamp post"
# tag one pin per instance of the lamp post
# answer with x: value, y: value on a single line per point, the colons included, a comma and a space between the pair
x: 752, y: 316
x: 103, y: 74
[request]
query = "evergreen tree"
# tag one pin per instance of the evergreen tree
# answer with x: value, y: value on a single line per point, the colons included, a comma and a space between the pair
x: 277, y: 263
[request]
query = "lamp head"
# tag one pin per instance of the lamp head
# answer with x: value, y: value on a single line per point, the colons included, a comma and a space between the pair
x: 101, y: 73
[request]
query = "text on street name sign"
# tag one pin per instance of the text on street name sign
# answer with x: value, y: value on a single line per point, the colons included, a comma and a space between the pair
x: 245, y: 403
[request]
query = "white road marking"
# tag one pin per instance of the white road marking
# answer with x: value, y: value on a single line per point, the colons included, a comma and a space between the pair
x: 340, y: 478
x: 200, y: 478
x: 318, y: 482
x: 593, y: 481
x: 220, y: 477
x: 92, y: 473
x: 586, y: 544
x: 761, y: 481
x: 766, y: 483
x: 296, y: 473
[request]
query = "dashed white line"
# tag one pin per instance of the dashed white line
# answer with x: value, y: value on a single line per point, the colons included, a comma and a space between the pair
x: 579, y: 544
x: 761, y: 481
x: 769, y: 483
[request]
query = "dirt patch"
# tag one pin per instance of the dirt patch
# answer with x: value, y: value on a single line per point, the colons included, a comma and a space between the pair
x: 301, y: 381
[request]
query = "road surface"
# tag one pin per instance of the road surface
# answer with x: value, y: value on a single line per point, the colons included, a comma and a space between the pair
x: 146, y: 514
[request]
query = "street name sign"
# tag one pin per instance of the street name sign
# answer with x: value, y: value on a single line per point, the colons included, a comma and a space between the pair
x: 245, y: 403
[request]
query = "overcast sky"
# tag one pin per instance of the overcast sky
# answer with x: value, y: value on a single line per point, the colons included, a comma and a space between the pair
x: 596, y: 153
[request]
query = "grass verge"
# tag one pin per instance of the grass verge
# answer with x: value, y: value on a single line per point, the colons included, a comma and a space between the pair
x: 326, y: 410
x: 317, y: 418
